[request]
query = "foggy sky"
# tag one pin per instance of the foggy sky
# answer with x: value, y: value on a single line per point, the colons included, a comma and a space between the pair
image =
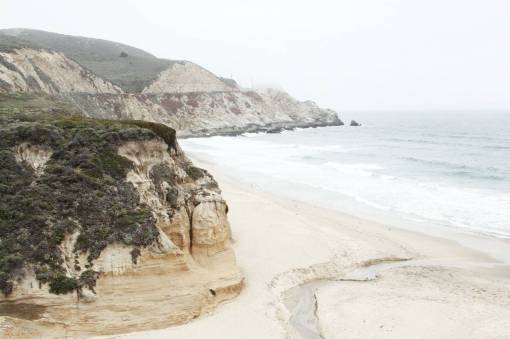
x: 346, y: 55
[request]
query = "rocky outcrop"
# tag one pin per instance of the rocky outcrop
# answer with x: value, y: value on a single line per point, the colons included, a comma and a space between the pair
x: 31, y: 70
x: 187, y: 77
x: 203, y: 114
x: 34, y: 156
x: 355, y: 123
x: 123, y: 233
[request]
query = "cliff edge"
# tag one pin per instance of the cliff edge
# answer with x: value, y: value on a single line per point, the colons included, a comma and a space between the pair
x: 105, y: 226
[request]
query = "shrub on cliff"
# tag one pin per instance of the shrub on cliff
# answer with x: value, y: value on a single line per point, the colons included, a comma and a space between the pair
x: 82, y: 189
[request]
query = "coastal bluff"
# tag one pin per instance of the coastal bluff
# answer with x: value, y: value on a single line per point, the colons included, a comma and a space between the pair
x: 108, y: 80
x: 106, y: 226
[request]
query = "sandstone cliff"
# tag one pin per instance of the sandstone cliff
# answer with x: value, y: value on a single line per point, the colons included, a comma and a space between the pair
x: 203, y: 114
x: 102, y: 80
x: 29, y: 70
x: 187, y: 77
x: 105, y: 227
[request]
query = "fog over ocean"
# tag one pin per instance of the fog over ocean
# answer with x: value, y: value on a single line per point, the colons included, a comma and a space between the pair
x: 432, y: 168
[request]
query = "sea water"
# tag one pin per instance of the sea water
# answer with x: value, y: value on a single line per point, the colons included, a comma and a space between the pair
x: 437, y: 169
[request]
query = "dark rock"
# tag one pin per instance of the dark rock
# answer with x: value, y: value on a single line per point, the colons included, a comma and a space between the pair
x: 275, y: 130
x: 354, y: 123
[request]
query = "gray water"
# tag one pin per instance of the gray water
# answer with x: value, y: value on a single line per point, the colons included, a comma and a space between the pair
x: 431, y: 168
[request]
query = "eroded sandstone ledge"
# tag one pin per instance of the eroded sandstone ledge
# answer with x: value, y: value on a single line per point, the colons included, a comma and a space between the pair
x: 182, y: 267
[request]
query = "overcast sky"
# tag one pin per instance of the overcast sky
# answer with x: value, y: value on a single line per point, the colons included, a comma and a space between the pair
x: 347, y: 55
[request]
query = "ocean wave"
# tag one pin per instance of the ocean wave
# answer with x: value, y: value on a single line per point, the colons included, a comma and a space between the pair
x: 252, y: 134
x: 443, y: 141
x: 496, y: 147
x: 463, y: 170
x: 417, y: 141
x: 481, y: 176
x: 479, y: 137
x: 305, y: 149
x: 435, y: 162
x: 440, y: 180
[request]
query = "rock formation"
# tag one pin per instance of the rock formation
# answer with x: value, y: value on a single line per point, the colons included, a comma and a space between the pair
x: 92, y: 76
x: 105, y: 227
x: 187, y: 77
x: 29, y: 70
x: 354, y: 123
x: 224, y: 113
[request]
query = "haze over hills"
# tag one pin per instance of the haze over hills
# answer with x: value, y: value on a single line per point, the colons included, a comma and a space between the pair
x: 113, y: 80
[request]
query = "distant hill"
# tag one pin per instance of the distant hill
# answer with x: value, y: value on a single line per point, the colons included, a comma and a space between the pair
x: 110, y: 80
x: 130, y: 68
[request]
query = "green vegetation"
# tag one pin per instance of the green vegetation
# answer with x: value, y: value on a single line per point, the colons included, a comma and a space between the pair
x: 130, y: 73
x: 160, y: 174
x: 82, y: 189
x: 60, y: 284
x: 164, y: 132
x: 33, y: 104
x: 194, y: 172
x: 9, y: 43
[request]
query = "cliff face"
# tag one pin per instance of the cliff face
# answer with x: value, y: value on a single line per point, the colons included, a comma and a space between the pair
x: 29, y: 70
x: 101, y: 82
x: 202, y: 114
x: 187, y: 77
x: 110, y: 224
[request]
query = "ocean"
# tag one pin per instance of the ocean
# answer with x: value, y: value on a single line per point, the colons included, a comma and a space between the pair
x: 431, y: 169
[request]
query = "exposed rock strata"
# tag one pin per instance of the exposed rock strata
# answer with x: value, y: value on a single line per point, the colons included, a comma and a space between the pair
x: 30, y: 70
x: 184, y: 274
x: 35, y: 156
x: 186, y: 77
x: 184, y: 96
x: 215, y: 113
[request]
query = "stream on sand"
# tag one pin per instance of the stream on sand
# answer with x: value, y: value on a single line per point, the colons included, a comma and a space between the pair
x: 302, y: 303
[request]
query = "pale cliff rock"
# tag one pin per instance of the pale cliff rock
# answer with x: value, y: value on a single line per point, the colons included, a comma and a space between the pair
x: 184, y: 96
x: 35, y: 156
x: 189, y: 270
x: 31, y: 70
x: 185, y: 77
x: 201, y: 114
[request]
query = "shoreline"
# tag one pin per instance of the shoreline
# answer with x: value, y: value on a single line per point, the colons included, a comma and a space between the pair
x: 281, y: 244
x: 258, y: 128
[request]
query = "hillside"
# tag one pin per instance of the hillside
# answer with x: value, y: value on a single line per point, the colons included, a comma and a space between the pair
x: 132, y: 71
x: 106, y: 79
x: 105, y: 213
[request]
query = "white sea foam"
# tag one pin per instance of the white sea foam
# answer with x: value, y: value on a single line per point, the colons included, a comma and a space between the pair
x: 378, y: 172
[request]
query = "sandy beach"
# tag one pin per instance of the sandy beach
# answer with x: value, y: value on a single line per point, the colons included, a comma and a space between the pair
x: 312, y: 273
x: 255, y: 170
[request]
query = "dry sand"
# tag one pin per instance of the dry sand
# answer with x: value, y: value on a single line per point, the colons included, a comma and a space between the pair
x: 445, y: 290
